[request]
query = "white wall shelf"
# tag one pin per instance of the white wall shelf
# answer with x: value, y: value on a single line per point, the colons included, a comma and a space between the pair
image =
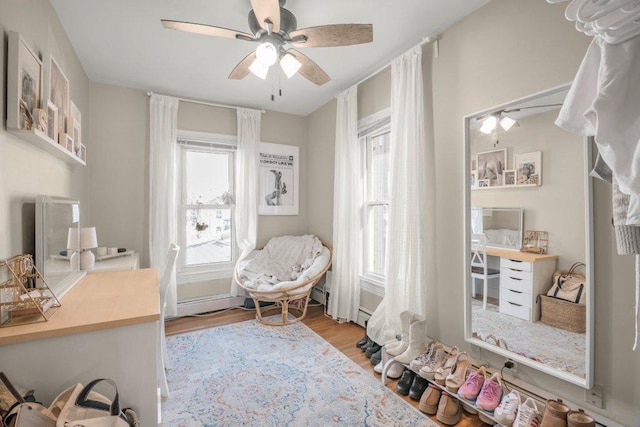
x: 503, y: 187
x: 42, y: 141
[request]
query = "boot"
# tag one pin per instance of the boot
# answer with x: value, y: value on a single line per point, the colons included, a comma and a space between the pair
x: 555, y: 414
x: 417, y: 346
x: 405, y: 382
x: 449, y: 410
x: 580, y: 419
x: 418, y: 387
x: 366, y: 345
x: 363, y: 340
x: 376, y: 357
x: 407, y: 318
x: 374, y: 348
x: 429, y: 400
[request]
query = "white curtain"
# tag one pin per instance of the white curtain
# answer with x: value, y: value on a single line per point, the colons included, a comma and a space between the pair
x: 410, y: 255
x: 163, y: 117
x: 347, y: 211
x: 246, y: 184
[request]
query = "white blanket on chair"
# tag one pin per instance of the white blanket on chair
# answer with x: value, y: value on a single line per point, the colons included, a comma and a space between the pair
x: 283, y: 259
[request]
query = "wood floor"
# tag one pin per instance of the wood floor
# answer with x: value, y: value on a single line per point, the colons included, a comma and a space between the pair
x: 343, y: 336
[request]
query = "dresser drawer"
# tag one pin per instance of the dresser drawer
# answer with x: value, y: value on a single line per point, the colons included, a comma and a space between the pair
x: 512, y: 295
x: 509, y: 282
x: 515, y: 264
x: 515, y: 274
x: 515, y: 309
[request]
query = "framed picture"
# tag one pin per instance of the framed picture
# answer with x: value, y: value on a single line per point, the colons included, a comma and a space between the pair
x: 278, y: 168
x: 52, y: 120
x: 510, y: 177
x: 24, y: 83
x: 474, y: 179
x: 528, y: 168
x: 77, y: 142
x: 83, y: 152
x: 68, y: 141
x: 491, y: 165
x: 59, y: 94
x: 74, y: 113
x: 484, y: 183
x: 535, y: 242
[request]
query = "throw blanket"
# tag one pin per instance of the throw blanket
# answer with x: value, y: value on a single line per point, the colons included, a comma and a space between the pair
x: 283, y: 259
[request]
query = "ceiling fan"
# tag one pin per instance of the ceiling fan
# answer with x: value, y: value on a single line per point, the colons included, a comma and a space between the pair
x: 275, y: 29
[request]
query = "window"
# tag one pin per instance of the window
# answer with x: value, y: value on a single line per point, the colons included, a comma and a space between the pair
x: 376, y: 197
x: 205, y: 215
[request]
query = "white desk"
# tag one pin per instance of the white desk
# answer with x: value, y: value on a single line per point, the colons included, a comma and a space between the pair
x: 107, y: 327
x: 523, y: 276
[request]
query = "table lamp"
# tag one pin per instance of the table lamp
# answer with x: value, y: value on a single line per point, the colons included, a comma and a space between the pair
x: 83, y: 243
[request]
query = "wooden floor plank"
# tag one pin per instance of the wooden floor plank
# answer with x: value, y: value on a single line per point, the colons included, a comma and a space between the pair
x: 343, y: 336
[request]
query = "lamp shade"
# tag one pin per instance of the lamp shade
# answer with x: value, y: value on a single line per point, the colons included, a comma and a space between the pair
x: 87, y: 239
x: 259, y: 69
x: 290, y: 65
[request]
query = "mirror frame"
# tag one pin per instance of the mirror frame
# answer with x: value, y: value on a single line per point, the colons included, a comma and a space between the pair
x: 587, y: 381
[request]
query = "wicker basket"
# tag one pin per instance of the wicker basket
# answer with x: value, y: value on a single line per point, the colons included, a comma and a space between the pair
x: 563, y: 314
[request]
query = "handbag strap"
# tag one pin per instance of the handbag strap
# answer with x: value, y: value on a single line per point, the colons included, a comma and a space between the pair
x: 575, y: 266
x: 84, y: 401
x: 14, y: 392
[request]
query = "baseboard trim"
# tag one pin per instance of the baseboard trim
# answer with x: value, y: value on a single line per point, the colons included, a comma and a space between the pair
x: 204, y: 305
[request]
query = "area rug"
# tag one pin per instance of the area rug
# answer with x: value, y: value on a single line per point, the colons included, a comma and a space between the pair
x: 257, y: 375
x: 555, y: 347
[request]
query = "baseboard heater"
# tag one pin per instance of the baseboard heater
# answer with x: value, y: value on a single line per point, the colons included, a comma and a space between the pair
x: 207, y: 304
x: 318, y: 294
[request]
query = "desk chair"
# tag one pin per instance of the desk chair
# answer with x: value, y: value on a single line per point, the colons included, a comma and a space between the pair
x: 479, y: 267
x: 163, y: 361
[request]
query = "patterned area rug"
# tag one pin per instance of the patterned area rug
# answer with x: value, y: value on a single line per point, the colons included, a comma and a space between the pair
x: 555, y: 347
x: 256, y: 375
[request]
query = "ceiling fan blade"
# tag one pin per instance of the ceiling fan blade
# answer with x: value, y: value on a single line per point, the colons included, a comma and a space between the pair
x: 208, y: 30
x: 267, y: 10
x: 242, y: 69
x: 309, y: 69
x: 334, y: 35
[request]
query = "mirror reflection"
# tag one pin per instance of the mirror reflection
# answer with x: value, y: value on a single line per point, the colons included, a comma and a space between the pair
x: 527, y: 217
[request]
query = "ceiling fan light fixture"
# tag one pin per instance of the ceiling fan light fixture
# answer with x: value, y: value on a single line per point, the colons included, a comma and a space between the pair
x: 507, y: 122
x: 489, y: 124
x: 259, y: 69
x: 267, y: 53
x: 290, y: 65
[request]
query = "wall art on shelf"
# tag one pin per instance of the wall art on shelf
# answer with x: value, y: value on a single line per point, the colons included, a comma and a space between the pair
x: 24, y: 83
x: 528, y: 168
x: 52, y: 120
x: 77, y: 142
x: 278, y: 168
x: 83, y: 152
x: 484, y: 183
x: 491, y: 165
x: 474, y: 179
x: 509, y: 177
x: 59, y: 94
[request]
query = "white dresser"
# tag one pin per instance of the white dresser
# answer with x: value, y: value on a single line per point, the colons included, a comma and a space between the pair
x: 523, y: 276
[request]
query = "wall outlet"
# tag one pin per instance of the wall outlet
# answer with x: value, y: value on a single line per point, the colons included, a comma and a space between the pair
x: 595, y: 396
x: 511, y: 365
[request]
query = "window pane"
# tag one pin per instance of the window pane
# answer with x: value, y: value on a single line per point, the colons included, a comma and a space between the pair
x: 207, y: 177
x: 376, y: 237
x: 208, y: 236
x: 378, y: 167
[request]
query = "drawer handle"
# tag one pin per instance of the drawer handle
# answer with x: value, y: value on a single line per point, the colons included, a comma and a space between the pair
x: 515, y: 269
x: 514, y: 278
x: 513, y: 303
x: 516, y: 292
x: 515, y: 260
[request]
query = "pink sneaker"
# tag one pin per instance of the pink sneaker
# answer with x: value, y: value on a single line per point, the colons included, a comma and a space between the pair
x: 491, y: 393
x: 473, y: 384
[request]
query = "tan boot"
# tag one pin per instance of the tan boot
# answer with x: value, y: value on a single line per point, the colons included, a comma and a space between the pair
x: 555, y: 414
x: 449, y: 410
x: 580, y: 419
x: 429, y: 400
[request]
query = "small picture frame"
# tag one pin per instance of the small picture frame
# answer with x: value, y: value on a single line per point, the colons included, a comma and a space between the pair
x: 83, y: 152
x: 59, y: 95
x: 52, y: 120
x: 24, y: 83
x: 77, y: 142
x: 509, y: 177
x: 528, y: 168
x: 535, y: 242
x: 474, y: 179
x: 69, y: 141
x: 484, y: 183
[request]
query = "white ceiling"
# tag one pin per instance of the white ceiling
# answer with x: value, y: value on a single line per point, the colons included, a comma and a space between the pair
x: 122, y: 42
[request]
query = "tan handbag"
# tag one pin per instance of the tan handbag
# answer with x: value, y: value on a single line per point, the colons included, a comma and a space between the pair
x: 569, y: 285
x: 81, y: 406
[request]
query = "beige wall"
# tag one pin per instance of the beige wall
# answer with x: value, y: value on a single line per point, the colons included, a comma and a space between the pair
x: 119, y: 195
x: 25, y: 170
x: 506, y: 50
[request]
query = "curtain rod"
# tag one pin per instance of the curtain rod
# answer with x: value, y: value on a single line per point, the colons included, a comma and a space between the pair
x: 424, y: 41
x: 197, y: 101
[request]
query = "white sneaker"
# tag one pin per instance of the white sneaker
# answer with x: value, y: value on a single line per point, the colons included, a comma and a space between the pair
x: 528, y: 415
x: 506, y: 412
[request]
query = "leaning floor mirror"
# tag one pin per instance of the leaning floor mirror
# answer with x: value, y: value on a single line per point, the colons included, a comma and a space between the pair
x: 528, y: 215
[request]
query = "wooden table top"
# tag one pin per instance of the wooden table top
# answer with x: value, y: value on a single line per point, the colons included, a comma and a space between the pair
x: 101, y: 300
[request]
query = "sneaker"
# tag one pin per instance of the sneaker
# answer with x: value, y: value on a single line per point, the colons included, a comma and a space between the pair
x: 528, y: 415
x: 422, y: 360
x: 506, y: 412
x: 429, y: 370
x: 472, y: 386
x: 490, y: 394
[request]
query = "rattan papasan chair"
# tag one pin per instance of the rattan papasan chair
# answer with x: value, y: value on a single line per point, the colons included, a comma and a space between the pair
x: 283, y: 272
